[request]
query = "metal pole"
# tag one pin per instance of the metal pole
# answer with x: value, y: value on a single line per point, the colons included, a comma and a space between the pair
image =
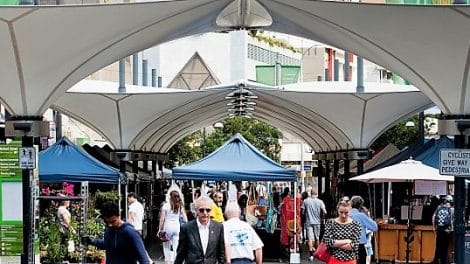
x: 360, y: 75
x: 58, y: 124
x: 336, y: 70
x: 278, y: 78
x: 327, y: 177
x: 144, y: 73
x: 122, y: 169
x: 459, y: 185
x: 154, y: 77
x: 122, y: 75
x: 421, y: 128
x: 27, y: 256
x: 135, y: 69
x: 360, y: 171
x: 346, y: 66
x: 203, y: 142
x: 320, y: 175
x: 302, y: 172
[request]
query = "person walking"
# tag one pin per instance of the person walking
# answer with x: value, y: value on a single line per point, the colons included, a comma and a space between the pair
x: 64, y: 217
x: 65, y: 227
x: 313, y: 208
x: 367, y: 224
x: 122, y: 243
x: 240, y: 239
x: 171, y: 213
x: 201, y: 240
x: 342, y: 236
x: 442, y: 222
x: 135, y: 213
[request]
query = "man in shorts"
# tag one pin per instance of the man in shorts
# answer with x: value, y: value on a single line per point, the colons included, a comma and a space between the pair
x: 313, y: 207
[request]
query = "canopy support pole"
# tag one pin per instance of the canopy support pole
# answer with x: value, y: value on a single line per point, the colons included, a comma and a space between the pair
x: 27, y: 127
x: 459, y: 126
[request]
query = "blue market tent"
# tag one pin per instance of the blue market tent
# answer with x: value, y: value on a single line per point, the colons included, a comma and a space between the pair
x: 66, y: 162
x: 236, y: 160
x: 430, y: 156
x: 428, y: 153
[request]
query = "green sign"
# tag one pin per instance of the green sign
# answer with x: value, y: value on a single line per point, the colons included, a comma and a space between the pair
x: 11, y: 239
x: 9, y: 2
x: 9, y: 163
x: 266, y: 74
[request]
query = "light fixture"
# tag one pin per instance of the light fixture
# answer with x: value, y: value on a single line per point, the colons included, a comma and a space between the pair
x: 410, y: 124
x: 241, y: 102
x: 218, y: 125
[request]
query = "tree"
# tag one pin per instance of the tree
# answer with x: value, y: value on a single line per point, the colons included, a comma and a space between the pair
x: 401, y: 135
x: 193, y: 147
x: 186, y: 150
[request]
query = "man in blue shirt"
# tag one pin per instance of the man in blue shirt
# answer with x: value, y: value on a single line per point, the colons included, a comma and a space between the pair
x: 121, y: 241
x: 358, y: 213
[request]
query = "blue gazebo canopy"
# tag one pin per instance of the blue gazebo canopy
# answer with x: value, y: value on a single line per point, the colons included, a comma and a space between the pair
x: 430, y: 156
x: 427, y: 153
x: 66, y: 162
x: 236, y: 160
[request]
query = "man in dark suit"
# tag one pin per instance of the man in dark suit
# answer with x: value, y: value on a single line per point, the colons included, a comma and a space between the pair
x: 201, y: 241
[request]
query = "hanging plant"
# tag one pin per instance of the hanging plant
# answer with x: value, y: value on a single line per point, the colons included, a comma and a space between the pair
x: 271, y: 41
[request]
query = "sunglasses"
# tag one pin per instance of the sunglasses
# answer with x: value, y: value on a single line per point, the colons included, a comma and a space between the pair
x: 202, y: 210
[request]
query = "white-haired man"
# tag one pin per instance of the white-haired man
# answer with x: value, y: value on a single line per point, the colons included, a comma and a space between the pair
x: 240, y: 239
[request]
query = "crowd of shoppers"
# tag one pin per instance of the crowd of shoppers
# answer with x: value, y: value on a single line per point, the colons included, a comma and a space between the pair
x: 212, y: 238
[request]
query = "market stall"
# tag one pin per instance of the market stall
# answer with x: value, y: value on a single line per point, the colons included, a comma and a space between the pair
x: 64, y: 173
x: 411, y: 242
x: 238, y: 160
x: 66, y: 162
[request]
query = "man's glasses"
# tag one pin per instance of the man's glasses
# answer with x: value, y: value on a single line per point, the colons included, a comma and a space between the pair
x: 202, y: 210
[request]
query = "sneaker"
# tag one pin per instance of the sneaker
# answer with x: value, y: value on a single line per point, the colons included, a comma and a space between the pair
x: 311, y: 258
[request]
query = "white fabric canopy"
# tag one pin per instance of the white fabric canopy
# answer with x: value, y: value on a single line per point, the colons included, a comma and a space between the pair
x: 405, y: 171
x: 160, y: 117
x: 47, y: 49
x: 123, y: 118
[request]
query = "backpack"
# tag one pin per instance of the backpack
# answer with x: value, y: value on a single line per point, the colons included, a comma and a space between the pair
x: 443, y: 217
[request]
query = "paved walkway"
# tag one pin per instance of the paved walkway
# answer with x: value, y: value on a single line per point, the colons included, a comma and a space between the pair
x: 156, y: 253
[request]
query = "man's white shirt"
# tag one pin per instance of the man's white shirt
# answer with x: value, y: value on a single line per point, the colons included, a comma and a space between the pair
x: 203, y: 234
x: 138, y: 209
x: 241, y: 238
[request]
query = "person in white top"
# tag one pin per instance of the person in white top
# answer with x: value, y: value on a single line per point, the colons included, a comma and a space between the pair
x: 136, y: 212
x: 170, y: 215
x: 240, y: 238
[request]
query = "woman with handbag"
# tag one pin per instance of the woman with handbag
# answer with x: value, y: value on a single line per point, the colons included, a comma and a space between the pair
x: 342, y: 236
x: 169, y: 227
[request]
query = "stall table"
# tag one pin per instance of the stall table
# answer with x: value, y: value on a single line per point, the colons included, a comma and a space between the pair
x: 272, y: 248
x: 391, y: 244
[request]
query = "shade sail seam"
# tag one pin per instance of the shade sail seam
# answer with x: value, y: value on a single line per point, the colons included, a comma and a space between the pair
x: 19, y: 66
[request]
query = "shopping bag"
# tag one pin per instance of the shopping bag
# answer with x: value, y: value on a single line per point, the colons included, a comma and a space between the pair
x: 322, y: 253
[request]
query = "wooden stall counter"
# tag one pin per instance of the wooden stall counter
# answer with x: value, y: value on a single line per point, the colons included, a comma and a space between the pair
x: 391, y: 244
